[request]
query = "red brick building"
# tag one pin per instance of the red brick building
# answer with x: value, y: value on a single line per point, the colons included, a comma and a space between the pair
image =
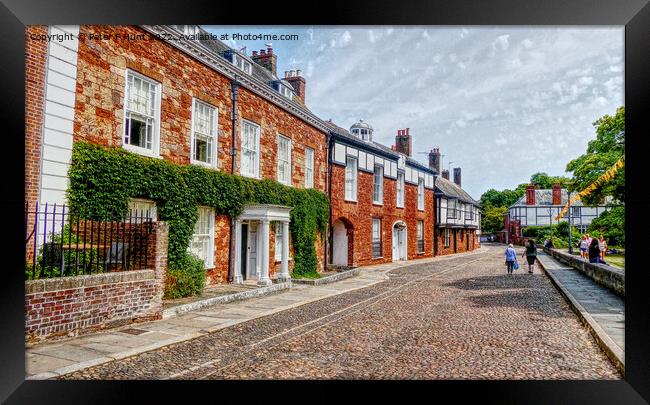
x: 174, y: 93
x: 381, y: 199
x: 183, y: 100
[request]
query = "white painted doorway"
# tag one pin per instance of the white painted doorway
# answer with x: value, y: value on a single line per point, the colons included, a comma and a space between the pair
x: 340, y: 244
x: 251, y: 269
x: 399, y: 241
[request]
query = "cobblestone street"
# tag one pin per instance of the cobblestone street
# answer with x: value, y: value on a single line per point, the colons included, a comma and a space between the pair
x: 462, y: 318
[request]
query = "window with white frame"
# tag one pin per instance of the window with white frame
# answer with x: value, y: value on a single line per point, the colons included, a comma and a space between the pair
x: 242, y: 63
x: 140, y: 209
x: 400, y: 189
x: 250, y: 156
x: 447, y: 237
x: 286, y: 91
x: 376, y: 237
x: 378, y: 185
x: 420, y: 236
x: 202, y: 244
x: 204, y: 133
x: 309, y: 168
x: 284, y: 160
x: 350, y: 178
x: 421, y: 194
x: 141, y: 114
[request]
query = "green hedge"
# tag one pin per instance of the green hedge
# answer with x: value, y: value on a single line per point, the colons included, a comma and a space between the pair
x: 102, y: 180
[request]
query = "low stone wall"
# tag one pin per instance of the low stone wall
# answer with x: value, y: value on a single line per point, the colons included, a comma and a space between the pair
x: 68, y: 306
x: 328, y: 279
x: 606, y: 275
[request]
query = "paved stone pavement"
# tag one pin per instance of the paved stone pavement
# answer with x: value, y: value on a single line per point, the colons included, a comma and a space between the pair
x: 603, y: 305
x: 462, y: 318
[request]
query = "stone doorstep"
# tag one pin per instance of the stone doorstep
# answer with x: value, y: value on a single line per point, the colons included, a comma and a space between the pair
x: 611, y: 349
x: 223, y: 299
x: 329, y: 279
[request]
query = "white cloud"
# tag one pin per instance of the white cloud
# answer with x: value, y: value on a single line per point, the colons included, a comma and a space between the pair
x: 502, y: 42
x: 527, y: 43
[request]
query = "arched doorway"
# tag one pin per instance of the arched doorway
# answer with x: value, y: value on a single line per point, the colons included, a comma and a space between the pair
x: 399, y: 241
x: 342, y: 243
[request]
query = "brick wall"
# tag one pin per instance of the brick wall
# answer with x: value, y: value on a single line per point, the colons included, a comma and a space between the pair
x: 462, y: 237
x: 359, y: 216
x: 35, y: 66
x: 75, y: 305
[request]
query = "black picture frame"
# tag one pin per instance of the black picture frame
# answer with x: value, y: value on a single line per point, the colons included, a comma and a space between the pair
x: 634, y: 14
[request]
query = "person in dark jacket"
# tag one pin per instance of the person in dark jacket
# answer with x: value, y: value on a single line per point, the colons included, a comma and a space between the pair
x: 594, y: 252
x: 531, y: 254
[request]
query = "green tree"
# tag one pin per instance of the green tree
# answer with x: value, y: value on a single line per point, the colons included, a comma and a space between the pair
x: 602, y: 153
x: 492, y: 220
x: 545, y: 181
x: 611, y: 224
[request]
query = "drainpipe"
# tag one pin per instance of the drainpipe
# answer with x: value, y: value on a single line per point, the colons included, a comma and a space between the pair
x: 234, y: 87
x: 328, y: 186
x: 435, y: 237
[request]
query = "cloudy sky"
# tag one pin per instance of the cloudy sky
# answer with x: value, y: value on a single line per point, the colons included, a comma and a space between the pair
x: 501, y: 103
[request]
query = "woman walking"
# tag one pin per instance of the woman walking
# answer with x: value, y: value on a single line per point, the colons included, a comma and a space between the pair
x: 531, y: 255
x: 603, y: 246
x: 584, y: 246
x: 594, y: 252
x: 511, y: 256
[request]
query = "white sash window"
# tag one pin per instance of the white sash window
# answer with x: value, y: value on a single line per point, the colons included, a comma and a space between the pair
x: 350, y: 178
x: 141, y: 114
x: 250, y: 157
x: 284, y: 160
x: 204, y: 133
x: 378, y: 185
x: 400, y: 189
x: 202, y: 244
x: 309, y: 168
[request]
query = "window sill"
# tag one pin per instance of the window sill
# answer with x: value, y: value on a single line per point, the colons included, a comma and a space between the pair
x: 377, y: 257
x: 141, y: 151
x: 351, y: 201
x: 276, y: 260
x: 203, y: 164
x: 378, y: 204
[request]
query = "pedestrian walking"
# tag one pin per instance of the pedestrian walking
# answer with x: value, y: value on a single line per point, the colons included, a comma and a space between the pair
x: 511, y: 257
x: 531, y: 254
x: 603, y: 247
x: 584, y: 246
x: 594, y: 252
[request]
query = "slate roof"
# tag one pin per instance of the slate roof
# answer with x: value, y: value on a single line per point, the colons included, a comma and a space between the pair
x: 450, y: 189
x: 258, y: 72
x: 544, y: 197
x: 345, y: 134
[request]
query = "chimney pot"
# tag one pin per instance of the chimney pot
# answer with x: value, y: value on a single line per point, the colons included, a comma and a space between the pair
x: 262, y: 52
x: 299, y: 73
x: 254, y: 53
x: 269, y: 50
x: 407, y: 131
x: 457, y: 178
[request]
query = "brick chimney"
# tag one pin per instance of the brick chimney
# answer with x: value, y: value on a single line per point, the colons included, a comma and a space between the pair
x: 434, y: 160
x: 403, y: 142
x: 297, y: 82
x: 266, y: 58
x: 530, y: 194
x: 557, y: 194
x: 457, y: 176
x: 445, y: 174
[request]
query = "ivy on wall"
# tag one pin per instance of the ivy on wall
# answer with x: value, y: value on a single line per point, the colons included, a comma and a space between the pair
x: 103, y: 180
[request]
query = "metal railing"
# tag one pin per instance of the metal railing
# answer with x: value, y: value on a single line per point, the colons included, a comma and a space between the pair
x: 60, y: 243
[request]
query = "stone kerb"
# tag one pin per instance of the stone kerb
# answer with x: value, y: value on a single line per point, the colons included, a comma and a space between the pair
x: 603, y: 274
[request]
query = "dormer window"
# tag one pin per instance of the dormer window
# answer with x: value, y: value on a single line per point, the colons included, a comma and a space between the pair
x: 242, y: 63
x: 286, y: 91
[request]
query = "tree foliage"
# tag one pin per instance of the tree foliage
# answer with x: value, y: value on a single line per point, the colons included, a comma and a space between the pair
x: 492, y: 220
x: 610, y: 224
x: 602, y: 153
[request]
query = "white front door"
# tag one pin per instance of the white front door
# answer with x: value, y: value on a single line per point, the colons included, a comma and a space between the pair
x: 399, y: 243
x: 340, y: 244
x: 252, y: 250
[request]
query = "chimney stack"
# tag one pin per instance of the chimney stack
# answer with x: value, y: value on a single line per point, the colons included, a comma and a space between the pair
x: 557, y: 194
x: 457, y: 176
x: 297, y: 82
x: 434, y: 160
x: 266, y: 59
x: 445, y: 174
x: 403, y: 142
x: 530, y: 194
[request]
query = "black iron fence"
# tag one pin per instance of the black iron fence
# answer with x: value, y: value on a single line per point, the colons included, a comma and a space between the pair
x: 60, y: 243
